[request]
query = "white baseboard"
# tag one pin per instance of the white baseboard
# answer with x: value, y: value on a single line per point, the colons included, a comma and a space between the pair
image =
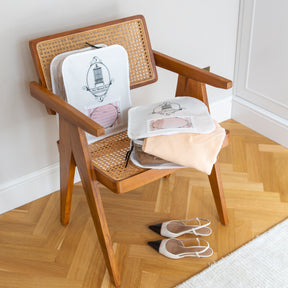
x: 30, y: 187
x: 260, y: 120
x: 221, y: 110
x: 45, y: 181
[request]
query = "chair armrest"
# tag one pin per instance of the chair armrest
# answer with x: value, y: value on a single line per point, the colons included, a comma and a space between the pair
x: 67, y: 111
x: 190, y: 71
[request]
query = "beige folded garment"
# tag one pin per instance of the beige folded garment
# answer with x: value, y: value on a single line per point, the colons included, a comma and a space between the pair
x: 194, y: 150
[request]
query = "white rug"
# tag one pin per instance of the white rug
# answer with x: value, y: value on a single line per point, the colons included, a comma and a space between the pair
x: 261, y: 263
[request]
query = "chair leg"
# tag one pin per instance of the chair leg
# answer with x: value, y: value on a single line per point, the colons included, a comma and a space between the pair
x: 190, y: 87
x: 89, y: 182
x: 67, y: 171
x: 217, y: 190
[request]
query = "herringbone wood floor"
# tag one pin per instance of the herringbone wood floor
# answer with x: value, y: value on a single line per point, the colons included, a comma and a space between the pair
x: 36, y: 251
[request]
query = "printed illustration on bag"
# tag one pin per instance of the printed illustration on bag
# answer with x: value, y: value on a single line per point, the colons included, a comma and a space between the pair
x: 170, y: 123
x: 166, y: 120
x: 98, y: 79
x: 167, y: 108
x: 107, y: 115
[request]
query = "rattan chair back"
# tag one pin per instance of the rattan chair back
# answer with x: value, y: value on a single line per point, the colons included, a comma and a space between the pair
x: 130, y: 32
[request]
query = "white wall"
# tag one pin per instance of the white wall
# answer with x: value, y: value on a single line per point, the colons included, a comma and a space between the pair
x: 200, y: 32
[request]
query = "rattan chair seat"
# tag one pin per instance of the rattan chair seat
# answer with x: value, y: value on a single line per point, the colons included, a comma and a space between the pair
x: 108, y: 157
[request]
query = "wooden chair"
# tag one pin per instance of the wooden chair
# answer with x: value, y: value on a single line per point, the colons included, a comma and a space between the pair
x: 104, y: 161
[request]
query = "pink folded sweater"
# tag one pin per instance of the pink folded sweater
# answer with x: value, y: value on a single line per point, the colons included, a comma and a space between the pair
x: 194, y: 150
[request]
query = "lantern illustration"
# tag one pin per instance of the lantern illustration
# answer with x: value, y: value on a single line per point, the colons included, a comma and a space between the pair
x: 98, y: 79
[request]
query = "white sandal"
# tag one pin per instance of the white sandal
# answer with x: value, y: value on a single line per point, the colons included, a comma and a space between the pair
x: 175, y: 249
x: 176, y: 228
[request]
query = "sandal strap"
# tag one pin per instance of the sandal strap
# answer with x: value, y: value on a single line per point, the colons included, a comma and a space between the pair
x: 198, y: 219
x: 196, y: 253
x: 199, y: 226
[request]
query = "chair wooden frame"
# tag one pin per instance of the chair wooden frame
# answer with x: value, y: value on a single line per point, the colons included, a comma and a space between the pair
x: 74, y: 149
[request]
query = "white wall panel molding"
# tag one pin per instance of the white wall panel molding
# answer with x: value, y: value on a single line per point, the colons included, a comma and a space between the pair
x: 245, y: 25
x: 258, y: 86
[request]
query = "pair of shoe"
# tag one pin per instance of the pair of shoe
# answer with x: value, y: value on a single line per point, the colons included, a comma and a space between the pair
x: 175, y: 248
